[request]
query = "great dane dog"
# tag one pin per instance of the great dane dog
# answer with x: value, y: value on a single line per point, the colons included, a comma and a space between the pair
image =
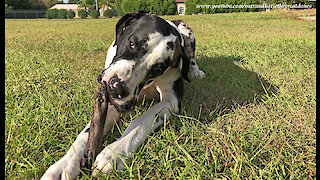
x: 150, y: 58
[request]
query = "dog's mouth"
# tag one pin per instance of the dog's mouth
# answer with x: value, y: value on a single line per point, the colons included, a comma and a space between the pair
x: 120, y: 94
x: 128, y: 105
x: 125, y: 107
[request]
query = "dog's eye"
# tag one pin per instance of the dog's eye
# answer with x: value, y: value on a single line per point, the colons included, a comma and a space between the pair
x: 132, y: 45
x: 157, y: 67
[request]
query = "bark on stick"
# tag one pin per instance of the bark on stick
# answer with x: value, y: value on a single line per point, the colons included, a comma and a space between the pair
x: 100, y: 109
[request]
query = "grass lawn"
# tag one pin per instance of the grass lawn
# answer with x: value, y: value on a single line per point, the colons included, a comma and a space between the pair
x: 253, y: 116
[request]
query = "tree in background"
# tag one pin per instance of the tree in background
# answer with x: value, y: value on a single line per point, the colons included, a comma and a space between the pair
x: 130, y: 6
x: 154, y: 7
x: 62, y: 14
x: 191, y: 6
x: 71, y: 14
x: 87, y: 4
x: 159, y: 7
x: 94, y: 14
x: 170, y: 6
x: 30, y: 4
x: 108, y: 13
x: 7, y: 7
x: 83, y: 14
x: 162, y: 7
x: 106, y: 4
x: 49, y: 3
x: 73, y: 1
x: 52, y: 13
x: 117, y: 7
x: 18, y: 4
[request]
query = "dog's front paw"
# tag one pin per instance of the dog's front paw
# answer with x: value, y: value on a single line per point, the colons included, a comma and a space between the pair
x: 196, y: 72
x: 112, y: 157
x: 64, y: 169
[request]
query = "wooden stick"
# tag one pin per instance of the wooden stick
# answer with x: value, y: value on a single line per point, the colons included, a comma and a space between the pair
x: 94, y: 144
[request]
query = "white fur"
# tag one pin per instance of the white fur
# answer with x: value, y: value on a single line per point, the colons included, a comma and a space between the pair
x: 189, y: 37
x: 140, y: 128
x: 158, y: 43
x: 173, y: 25
x: 68, y: 166
x: 117, y: 153
x: 158, y: 52
x: 110, y: 54
x: 195, y: 71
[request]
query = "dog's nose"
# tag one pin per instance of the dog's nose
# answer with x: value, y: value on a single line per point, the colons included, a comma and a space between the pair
x: 117, y: 88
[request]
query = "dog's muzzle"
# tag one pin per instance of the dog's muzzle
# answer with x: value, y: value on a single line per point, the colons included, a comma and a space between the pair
x: 118, y: 91
x: 117, y: 88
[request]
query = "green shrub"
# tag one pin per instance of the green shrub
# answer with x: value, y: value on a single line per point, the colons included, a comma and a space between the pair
x: 71, y: 14
x: 48, y: 14
x: 170, y: 7
x: 90, y: 9
x: 108, y: 13
x: 83, y: 14
x: 52, y: 13
x: 117, y: 8
x: 94, y: 14
x: 191, y: 7
x: 131, y: 6
x: 62, y: 14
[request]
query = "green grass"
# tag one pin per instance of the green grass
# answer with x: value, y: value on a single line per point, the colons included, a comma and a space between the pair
x: 253, y: 116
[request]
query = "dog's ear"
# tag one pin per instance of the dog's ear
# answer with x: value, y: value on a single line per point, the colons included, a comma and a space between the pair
x: 176, y: 22
x: 125, y: 21
x: 185, y: 65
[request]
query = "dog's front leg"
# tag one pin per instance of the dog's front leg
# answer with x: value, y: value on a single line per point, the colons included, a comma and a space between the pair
x: 194, y: 69
x: 116, y: 154
x: 68, y: 167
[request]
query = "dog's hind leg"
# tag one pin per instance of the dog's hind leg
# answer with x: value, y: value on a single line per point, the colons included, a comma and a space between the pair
x: 68, y: 167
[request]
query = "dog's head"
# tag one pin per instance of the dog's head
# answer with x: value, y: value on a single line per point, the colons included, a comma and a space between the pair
x: 146, y: 47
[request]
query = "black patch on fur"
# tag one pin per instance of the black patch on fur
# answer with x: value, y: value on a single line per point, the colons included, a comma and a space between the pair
x: 179, y: 105
x: 125, y: 21
x: 133, y: 30
x: 158, y: 69
x: 185, y: 66
x: 177, y: 22
x: 178, y: 91
x: 193, y: 46
x: 193, y: 63
x: 170, y: 45
x: 149, y: 81
x: 87, y: 130
x: 178, y: 88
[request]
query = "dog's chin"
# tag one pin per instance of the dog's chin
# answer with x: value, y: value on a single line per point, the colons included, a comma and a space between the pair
x: 125, y: 108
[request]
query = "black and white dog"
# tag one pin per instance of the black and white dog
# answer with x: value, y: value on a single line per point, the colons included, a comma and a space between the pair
x: 149, y: 58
